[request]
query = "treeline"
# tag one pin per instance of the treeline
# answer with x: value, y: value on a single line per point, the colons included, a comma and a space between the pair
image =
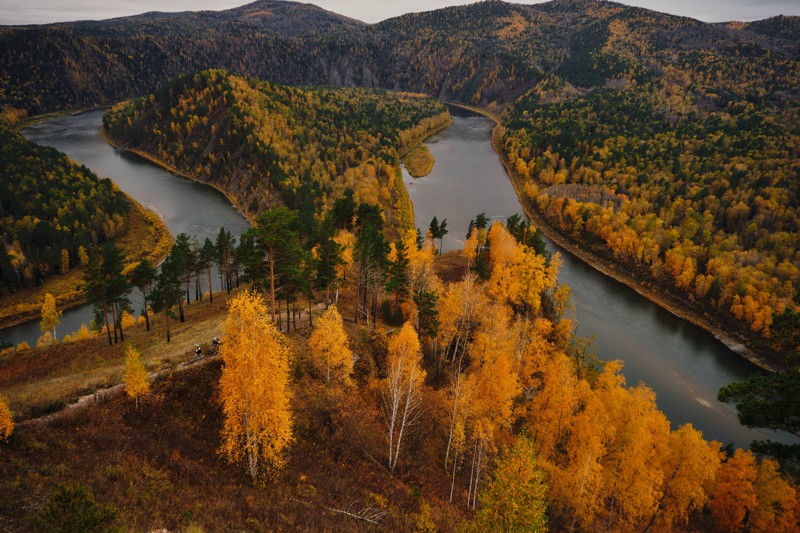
x: 484, y: 54
x: 53, y: 213
x: 689, y: 181
x: 266, y: 144
x: 484, y: 387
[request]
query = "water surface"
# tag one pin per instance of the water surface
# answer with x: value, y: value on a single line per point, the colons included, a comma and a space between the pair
x: 184, y: 205
x: 683, y: 364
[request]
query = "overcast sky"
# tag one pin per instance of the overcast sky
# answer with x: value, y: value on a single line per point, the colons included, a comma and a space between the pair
x: 44, y: 11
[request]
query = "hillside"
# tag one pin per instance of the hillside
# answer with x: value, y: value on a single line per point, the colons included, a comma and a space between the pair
x: 54, y: 214
x: 682, y: 168
x: 266, y: 144
x: 481, y: 53
x: 499, y: 369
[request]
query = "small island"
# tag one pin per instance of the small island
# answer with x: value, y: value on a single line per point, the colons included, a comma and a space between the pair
x: 419, y: 161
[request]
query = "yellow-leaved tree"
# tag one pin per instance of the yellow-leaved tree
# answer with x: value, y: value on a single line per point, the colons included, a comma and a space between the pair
x: 254, y: 387
x: 515, y: 499
x: 6, y: 420
x: 137, y: 383
x: 49, y: 315
x: 330, y: 354
x: 402, y: 393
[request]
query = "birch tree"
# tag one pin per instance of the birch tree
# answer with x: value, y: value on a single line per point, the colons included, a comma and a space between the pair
x: 402, y: 391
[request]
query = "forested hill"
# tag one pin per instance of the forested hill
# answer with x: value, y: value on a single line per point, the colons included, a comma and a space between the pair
x: 266, y: 144
x: 53, y: 213
x: 481, y: 53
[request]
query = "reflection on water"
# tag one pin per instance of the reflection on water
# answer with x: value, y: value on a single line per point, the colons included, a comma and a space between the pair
x: 684, y: 365
x: 185, y: 206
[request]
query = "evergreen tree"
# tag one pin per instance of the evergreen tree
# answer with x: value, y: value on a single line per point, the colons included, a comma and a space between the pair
x: 142, y: 277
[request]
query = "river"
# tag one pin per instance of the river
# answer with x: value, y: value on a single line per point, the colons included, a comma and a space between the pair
x: 683, y: 364
x: 184, y: 205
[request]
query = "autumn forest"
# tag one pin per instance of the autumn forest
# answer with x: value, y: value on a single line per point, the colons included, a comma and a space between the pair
x: 359, y: 378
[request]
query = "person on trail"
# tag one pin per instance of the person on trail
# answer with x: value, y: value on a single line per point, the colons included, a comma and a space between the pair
x: 215, y: 345
x: 198, y: 353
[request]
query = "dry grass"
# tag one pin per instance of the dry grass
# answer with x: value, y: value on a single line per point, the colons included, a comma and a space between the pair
x: 145, y: 236
x: 41, y: 380
x: 159, y: 466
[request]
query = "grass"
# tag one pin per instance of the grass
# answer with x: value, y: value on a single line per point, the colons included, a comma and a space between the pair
x: 33, y: 380
x: 146, y: 236
x: 419, y: 161
x: 160, y: 467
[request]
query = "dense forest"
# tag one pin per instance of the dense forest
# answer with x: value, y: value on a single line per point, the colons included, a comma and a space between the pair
x: 53, y: 212
x: 485, y: 53
x: 471, y: 406
x: 667, y: 145
x: 689, y: 179
x: 266, y: 144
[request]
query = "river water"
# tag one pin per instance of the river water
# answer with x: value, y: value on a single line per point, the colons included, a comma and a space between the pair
x: 684, y: 365
x: 184, y: 205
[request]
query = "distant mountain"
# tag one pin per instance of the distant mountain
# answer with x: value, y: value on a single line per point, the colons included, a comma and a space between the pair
x: 481, y: 53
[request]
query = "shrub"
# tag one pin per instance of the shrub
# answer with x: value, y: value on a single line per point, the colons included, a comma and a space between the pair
x: 72, y: 507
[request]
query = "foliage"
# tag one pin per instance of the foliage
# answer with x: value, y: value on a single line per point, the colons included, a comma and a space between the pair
x: 137, y: 382
x: 254, y: 388
x: 50, y: 205
x: 329, y: 351
x: 514, y: 498
x: 72, y: 507
x: 49, y: 315
x: 402, y: 389
x: 267, y: 144
x: 770, y: 401
x: 684, y: 180
x: 6, y: 420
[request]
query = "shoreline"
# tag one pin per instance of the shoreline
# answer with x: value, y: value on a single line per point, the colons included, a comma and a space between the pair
x: 250, y: 220
x: 165, y: 166
x: 734, y: 344
x: 161, y: 229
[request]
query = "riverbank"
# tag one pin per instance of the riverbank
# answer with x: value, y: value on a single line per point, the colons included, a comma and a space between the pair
x: 735, y: 343
x: 161, y: 164
x: 146, y: 236
x: 233, y: 201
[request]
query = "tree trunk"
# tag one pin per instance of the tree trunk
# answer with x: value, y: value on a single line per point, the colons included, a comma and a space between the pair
x: 272, y: 281
x: 210, y: 287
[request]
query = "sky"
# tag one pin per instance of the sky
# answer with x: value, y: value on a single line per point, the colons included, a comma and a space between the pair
x: 46, y: 11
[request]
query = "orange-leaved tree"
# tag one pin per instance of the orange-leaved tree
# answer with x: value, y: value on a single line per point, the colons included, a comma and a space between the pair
x: 733, y: 496
x: 330, y: 354
x: 254, y: 387
x: 136, y: 381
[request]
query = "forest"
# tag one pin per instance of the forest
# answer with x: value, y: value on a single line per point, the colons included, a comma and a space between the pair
x: 689, y: 180
x: 266, y: 144
x: 53, y: 213
x: 469, y: 395
x: 399, y: 389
